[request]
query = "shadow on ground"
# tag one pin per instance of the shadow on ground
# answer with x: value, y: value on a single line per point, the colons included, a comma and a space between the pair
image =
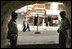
x: 38, y: 46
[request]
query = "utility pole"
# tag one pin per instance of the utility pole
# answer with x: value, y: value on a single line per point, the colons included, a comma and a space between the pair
x: 37, y: 25
x: 37, y: 22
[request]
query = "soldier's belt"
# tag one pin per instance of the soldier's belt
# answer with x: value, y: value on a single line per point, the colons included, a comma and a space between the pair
x: 13, y: 35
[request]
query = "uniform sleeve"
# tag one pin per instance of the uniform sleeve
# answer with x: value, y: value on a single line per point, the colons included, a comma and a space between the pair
x: 12, y: 28
x: 65, y: 24
x: 15, y: 29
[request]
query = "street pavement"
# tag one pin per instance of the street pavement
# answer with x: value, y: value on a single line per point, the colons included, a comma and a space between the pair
x: 45, y: 37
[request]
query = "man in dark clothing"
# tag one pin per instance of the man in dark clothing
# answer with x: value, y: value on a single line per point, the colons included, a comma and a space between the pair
x: 35, y: 21
x: 28, y: 26
x: 64, y: 26
x: 24, y: 26
x: 12, y: 30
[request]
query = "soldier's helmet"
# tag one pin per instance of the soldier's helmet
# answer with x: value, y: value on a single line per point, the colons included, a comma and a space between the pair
x: 62, y: 13
x: 14, y: 15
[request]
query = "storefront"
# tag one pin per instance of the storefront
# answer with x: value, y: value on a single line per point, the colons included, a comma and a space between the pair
x: 54, y: 21
x: 35, y: 20
x: 51, y: 20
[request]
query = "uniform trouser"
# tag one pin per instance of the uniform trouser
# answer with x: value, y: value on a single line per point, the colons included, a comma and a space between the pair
x: 62, y: 41
x: 13, y: 42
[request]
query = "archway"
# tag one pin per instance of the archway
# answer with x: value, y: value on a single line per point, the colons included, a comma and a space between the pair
x: 17, y: 4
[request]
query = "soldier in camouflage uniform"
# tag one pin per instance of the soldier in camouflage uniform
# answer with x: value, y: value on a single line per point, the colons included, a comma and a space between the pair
x: 13, y: 31
x: 63, y: 30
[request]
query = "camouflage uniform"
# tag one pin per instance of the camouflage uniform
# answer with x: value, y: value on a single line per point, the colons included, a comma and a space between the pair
x: 63, y: 32
x: 12, y: 32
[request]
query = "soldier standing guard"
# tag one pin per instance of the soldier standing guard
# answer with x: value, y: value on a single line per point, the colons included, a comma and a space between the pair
x: 64, y: 26
x: 13, y: 31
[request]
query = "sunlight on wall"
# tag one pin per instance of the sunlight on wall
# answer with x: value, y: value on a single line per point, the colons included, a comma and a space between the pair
x: 54, y: 6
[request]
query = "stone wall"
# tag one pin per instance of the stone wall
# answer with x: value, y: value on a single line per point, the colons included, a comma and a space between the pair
x: 68, y: 15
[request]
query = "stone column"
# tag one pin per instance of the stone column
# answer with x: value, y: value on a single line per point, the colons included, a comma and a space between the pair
x: 67, y: 7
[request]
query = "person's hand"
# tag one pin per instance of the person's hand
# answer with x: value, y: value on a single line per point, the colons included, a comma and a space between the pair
x: 58, y: 31
x: 15, y: 37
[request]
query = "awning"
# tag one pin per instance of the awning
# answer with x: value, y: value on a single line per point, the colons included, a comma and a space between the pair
x: 52, y: 12
x: 36, y: 15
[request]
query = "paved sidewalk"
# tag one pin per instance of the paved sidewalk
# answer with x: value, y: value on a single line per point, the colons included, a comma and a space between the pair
x: 45, y: 37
